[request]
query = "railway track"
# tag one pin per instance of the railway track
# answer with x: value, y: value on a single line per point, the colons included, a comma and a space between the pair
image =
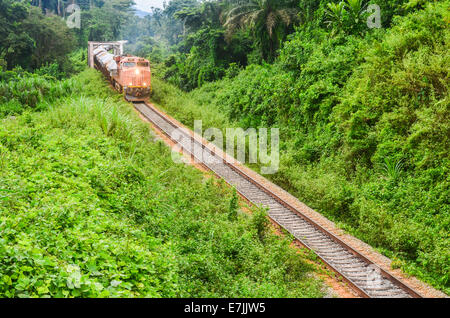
x: 366, y: 278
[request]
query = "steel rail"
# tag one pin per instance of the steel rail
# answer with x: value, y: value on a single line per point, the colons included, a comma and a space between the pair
x: 355, y: 285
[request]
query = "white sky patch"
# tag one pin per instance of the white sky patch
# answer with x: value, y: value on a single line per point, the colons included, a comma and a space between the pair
x: 145, y: 5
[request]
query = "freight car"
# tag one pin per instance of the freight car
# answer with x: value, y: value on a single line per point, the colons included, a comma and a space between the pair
x: 129, y: 75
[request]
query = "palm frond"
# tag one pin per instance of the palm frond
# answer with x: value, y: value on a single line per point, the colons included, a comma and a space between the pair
x: 288, y: 16
x: 271, y: 22
x: 241, y: 9
x: 355, y: 6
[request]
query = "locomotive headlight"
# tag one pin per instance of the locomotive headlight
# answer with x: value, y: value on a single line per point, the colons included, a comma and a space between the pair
x: 145, y: 84
x: 131, y: 84
x: 137, y: 72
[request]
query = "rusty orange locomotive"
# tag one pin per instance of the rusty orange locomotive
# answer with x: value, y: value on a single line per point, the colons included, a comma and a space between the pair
x: 129, y: 75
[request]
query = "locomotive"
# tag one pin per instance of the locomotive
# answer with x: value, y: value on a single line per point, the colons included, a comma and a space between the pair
x: 128, y: 74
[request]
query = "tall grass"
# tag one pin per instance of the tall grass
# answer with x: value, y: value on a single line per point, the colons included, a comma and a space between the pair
x: 33, y: 92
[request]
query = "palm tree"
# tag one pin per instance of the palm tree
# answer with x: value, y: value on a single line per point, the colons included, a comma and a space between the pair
x: 268, y: 20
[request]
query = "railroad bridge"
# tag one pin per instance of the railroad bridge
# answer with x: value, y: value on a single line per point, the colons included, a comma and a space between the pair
x: 117, y: 48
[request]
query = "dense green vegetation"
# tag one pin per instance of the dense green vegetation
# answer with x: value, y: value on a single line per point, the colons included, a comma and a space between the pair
x: 30, y: 40
x: 92, y: 206
x: 203, y: 41
x: 34, y: 36
x: 363, y: 113
x: 365, y: 129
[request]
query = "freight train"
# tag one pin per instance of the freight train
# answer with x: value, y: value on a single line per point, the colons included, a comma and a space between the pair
x: 130, y: 75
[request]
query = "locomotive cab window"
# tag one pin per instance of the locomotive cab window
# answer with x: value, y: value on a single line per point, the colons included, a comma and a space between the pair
x: 142, y: 64
x: 129, y: 64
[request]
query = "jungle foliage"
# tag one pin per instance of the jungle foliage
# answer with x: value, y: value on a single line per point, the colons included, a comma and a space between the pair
x: 201, y: 40
x: 35, y: 35
x: 364, y: 117
x: 31, y: 40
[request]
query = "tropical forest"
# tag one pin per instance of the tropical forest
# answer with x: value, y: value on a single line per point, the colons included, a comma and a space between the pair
x: 92, y: 203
